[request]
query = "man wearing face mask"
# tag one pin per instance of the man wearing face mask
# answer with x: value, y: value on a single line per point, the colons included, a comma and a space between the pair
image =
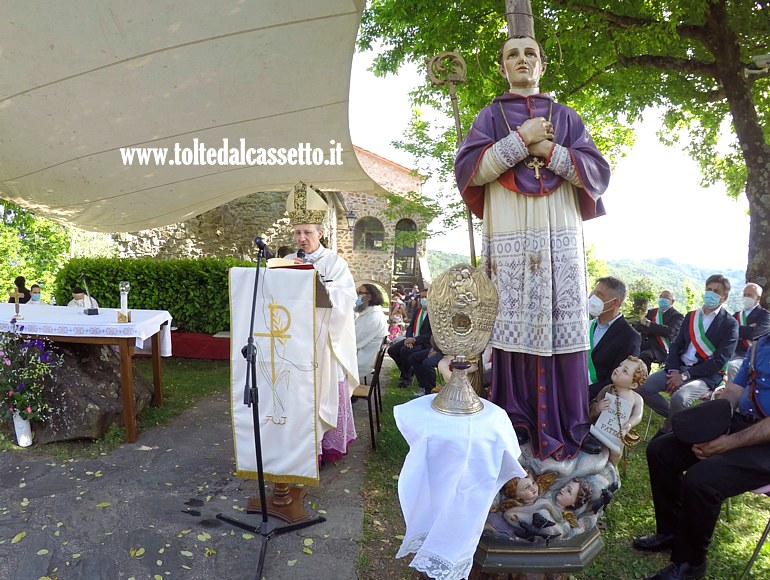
x: 611, y: 337
x: 35, y: 295
x: 371, y: 327
x: 408, y: 352
x: 697, y: 358
x: 753, y: 322
x: 658, y: 328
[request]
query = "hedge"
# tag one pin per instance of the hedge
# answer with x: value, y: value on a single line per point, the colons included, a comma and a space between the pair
x: 195, y: 292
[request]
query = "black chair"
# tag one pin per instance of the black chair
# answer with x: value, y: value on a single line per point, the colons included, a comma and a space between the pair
x: 372, y: 391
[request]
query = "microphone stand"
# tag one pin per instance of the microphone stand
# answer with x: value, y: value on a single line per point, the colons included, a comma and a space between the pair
x: 251, y: 399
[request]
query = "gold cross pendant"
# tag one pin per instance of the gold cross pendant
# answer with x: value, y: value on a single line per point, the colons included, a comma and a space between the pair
x: 536, y: 164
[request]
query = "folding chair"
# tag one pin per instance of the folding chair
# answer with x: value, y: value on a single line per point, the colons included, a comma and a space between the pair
x: 765, y: 490
x: 369, y: 392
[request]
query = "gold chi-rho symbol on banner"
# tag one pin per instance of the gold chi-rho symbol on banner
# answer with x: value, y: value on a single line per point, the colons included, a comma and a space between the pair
x: 280, y: 322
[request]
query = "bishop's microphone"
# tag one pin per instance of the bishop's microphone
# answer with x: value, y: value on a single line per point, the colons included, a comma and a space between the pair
x: 301, y: 254
x: 266, y: 252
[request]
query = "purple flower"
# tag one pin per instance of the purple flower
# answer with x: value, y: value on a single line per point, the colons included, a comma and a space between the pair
x: 7, y: 362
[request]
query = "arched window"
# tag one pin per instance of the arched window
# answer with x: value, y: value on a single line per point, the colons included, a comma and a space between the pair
x: 405, y: 254
x: 369, y: 234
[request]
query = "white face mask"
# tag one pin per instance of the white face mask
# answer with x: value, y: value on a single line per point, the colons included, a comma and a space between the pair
x: 596, y: 305
x: 748, y: 302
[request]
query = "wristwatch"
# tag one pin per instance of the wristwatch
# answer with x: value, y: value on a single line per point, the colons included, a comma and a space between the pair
x: 685, y: 376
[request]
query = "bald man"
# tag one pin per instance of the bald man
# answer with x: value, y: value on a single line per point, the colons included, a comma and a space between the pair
x: 753, y: 322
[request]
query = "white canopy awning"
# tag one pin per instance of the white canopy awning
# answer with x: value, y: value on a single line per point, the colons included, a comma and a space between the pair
x: 80, y: 80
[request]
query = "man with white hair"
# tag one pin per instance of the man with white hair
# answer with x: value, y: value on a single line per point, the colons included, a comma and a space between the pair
x: 753, y: 322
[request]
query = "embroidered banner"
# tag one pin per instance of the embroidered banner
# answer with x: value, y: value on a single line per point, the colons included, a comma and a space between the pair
x: 284, y: 331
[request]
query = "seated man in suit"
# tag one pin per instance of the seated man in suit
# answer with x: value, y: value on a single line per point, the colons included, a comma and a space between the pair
x: 658, y: 328
x: 696, y: 361
x: 612, y: 338
x: 753, y: 322
x: 689, y: 482
x: 418, y: 336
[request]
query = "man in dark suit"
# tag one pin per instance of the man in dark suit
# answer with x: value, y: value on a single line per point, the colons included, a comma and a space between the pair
x: 690, y: 482
x: 753, y: 322
x: 658, y: 328
x: 612, y: 338
x: 697, y: 358
x: 418, y: 336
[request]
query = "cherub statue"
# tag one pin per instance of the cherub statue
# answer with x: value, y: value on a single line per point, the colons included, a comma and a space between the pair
x: 548, y: 521
x: 615, y: 418
x: 521, y: 491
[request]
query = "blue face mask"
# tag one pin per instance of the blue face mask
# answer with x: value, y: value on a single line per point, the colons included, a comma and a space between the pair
x: 359, y: 300
x: 711, y: 299
x: 424, y: 302
x: 664, y: 303
x: 36, y: 298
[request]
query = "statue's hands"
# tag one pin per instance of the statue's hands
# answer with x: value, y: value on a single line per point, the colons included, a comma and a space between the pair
x: 603, y: 405
x: 535, y: 130
x: 541, y: 148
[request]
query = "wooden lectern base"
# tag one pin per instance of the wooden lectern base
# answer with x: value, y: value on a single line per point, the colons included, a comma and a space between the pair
x: 285, y: 503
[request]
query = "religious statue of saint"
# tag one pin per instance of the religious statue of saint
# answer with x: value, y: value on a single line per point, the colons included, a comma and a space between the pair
x: 530, y: 169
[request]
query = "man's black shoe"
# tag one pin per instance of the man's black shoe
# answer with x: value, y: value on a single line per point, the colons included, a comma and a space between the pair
x: 404, y: 383
x: 680, y: 571
x: 521, y: 434
x: 654, y: 543
x: 591, y: 445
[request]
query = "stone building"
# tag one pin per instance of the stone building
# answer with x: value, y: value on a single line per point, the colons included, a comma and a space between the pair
x: 230, y: 229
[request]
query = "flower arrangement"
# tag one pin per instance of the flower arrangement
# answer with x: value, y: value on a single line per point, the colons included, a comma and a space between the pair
x: 25, y: 362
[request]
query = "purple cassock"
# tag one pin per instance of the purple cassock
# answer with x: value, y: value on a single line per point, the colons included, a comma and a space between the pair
x: 542, y: 384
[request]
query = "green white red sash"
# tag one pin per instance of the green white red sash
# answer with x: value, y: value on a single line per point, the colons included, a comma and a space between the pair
x: 662, y: 340
x: 591, y: 368
x: 742, y: 319
x: 418, y: 322
x: 698, y: 335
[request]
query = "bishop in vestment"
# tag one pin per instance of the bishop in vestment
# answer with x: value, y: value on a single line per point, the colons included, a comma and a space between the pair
x: 336, y: 374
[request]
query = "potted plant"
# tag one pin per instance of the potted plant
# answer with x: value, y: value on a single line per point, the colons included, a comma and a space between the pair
x: 25, y: 363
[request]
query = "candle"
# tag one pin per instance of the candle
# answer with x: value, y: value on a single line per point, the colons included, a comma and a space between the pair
x: 124, y: 302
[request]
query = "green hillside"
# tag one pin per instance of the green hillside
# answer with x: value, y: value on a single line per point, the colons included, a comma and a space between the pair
x: 686, y: 281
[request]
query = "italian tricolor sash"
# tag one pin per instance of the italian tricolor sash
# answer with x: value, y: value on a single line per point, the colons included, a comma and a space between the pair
x: 591, y: 368
x: 742, y: 319
x: 418, y: 322
x: 663, y: 341
x: 698, y: 335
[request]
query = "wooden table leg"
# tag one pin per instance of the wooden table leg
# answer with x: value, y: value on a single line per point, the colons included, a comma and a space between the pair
x: 127, y: 388
x: 157, y: 373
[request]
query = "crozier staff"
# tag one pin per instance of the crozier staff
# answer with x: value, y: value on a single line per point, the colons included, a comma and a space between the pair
x: 337, y: 368
x: 530, y: 169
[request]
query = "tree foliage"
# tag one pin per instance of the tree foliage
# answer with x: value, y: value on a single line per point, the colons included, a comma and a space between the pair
x: 30, y: 246
x: 611, y: 61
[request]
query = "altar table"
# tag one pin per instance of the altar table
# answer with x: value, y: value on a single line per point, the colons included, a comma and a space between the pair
x: 71, y: 324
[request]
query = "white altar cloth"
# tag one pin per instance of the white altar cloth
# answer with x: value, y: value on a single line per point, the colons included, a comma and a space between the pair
x: 46, y: 320
x: 455, y: 466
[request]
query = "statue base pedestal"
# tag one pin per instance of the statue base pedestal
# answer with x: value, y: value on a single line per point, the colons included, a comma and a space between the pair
x: 503, y: 559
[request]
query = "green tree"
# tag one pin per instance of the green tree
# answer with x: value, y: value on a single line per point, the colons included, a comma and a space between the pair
x: 612, y: 60
x: 30, y: 246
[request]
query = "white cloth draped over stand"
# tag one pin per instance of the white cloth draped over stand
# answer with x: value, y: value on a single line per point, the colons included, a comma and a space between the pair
x: 455, y: 466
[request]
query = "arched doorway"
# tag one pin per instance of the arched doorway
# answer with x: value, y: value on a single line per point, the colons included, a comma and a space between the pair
x: 405, y: 255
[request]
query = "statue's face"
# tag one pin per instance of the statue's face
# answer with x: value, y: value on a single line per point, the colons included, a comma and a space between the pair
x: 567, y: 495
x: 308, y: 237
x: 527, y: 490
x: 623, y: 376
x: 521, y: 63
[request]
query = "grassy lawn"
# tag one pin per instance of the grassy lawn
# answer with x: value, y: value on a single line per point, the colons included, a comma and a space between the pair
x: 186, y: 381
x: 629, y: 515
